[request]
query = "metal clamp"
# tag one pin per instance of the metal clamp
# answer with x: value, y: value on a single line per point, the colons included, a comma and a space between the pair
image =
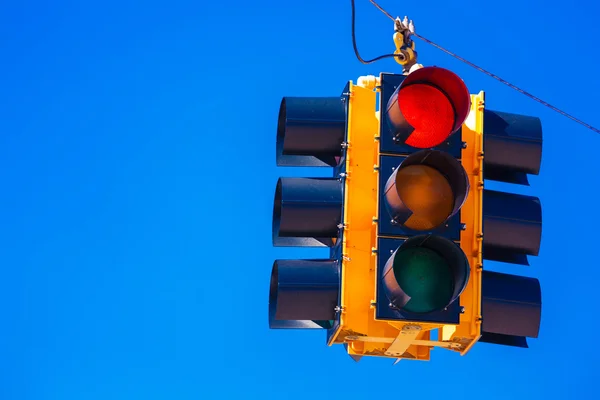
x: 405, y: 46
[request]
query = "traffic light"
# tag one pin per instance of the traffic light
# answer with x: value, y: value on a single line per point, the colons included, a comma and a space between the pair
x: 512, y: 226
x: 429, y: 213
x: 406, y: 218
x: 307, y: 212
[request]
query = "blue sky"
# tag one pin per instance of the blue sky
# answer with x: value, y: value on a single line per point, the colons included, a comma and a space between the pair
x: 138, y: 168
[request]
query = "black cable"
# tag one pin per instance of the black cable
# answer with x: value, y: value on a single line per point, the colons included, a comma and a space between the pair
x: 382, y: 10
x: 510, y: 85
x: 356, y: 48
x: 563, y: 113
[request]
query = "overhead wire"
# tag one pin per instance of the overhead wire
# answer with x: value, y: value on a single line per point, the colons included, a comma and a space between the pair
x: 387, y: 14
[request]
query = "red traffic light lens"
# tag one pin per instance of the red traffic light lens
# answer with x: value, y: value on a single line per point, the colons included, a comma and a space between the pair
x: 429, y: 111
x: 429, y: 106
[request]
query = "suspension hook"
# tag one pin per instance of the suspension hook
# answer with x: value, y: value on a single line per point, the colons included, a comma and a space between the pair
x: 405, y: 46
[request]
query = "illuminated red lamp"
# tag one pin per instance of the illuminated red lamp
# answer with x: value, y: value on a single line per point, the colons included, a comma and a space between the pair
x: 430, y: 105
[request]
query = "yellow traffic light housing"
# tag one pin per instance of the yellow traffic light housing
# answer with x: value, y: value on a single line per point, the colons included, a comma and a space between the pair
x: 414, y: 276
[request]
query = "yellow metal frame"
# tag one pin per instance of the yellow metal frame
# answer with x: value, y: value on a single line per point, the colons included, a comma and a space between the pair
x: 468, y: 332
x: 358, y: 328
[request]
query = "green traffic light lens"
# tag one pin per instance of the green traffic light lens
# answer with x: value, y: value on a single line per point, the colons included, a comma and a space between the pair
x: 425, y: 277
x: 426, y: 274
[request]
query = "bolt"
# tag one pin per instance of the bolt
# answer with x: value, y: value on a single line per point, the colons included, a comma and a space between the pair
x: 463, y: 226
x: 464, y: 145
x: 462, y: 310
x: 411, y: 328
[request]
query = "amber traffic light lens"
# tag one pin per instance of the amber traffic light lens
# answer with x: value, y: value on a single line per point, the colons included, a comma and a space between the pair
x: 427, y: 193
